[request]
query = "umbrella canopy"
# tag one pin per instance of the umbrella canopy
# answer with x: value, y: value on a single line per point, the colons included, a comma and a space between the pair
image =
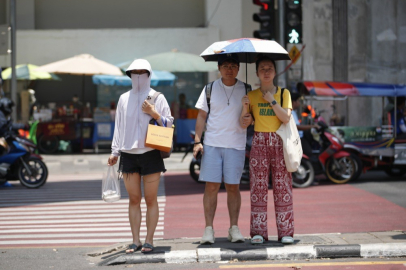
x: 175, y: 61
x: 323, y: 88
x: 247, y: 49
x: 83, y: 64
x: 158, y: 78
x: 28, y: 72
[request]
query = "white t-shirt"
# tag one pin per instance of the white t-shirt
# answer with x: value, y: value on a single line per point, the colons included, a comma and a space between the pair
x: 223, y: 126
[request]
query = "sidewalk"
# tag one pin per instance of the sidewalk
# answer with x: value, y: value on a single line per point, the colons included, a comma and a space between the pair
x: 314, y: 246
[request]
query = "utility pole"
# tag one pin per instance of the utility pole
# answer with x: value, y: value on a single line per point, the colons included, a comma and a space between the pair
x: 281, y: 65
x: 13, y: 88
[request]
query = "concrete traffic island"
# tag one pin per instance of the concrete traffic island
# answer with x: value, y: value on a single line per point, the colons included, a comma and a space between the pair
x: 314, y: 246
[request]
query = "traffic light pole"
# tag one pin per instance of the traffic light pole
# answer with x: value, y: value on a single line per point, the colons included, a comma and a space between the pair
x: 13, y: 89
x: 281, y: 65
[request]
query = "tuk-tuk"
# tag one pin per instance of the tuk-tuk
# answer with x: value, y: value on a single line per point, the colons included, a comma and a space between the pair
x: 377, y: 145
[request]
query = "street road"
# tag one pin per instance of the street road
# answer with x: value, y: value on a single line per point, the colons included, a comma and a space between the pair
x: 323, y: 208
x: 68, y: 212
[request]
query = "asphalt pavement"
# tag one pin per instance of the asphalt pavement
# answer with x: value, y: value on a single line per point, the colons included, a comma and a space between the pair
x: 189, y: 250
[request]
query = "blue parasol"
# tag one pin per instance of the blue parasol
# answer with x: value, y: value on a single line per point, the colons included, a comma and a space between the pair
x: 158, y: 78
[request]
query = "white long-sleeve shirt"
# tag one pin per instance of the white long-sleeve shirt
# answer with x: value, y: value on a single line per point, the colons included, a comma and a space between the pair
x: 131, y: 123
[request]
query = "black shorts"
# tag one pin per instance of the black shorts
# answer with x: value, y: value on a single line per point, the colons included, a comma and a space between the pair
x: 147, y: 163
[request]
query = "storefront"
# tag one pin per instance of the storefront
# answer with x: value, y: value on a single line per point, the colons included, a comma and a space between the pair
x: 65, y: 128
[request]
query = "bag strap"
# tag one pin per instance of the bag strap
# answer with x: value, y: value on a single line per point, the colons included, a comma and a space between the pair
x: 283, y: 89
x: 209, y: 88
x: 152, y: 101
x: 248, y: 88
x: 154, y: 97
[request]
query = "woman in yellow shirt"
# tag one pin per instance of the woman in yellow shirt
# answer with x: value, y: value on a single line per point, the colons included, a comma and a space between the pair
x: 264, y: 104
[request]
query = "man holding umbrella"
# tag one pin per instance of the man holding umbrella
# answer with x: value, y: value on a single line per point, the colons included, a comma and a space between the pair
x: 224, y: 144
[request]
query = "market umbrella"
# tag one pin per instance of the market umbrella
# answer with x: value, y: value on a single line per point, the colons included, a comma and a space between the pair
x: 247, y: 49
x: 83, y: 64
x: 175, y: 61
x: 28, y: 72
x: 158, y: 78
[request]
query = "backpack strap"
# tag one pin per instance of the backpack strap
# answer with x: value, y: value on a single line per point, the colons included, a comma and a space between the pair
x: 283, y: 89
x: 209, y: 87
x: 248, y: 88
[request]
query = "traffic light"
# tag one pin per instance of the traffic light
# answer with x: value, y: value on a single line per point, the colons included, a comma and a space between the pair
x: 293, y: 21
x: 266, y: 19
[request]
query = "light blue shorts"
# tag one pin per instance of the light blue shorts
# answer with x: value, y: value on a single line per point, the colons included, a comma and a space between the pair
x: 219, y: 162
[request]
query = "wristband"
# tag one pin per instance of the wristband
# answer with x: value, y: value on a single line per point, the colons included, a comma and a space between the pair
x: 197, y: 143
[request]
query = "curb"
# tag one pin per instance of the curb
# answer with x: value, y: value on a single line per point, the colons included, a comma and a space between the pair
x: 213, y: 255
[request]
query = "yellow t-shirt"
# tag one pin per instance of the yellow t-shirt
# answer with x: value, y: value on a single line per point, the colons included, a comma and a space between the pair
x: 261, y: 110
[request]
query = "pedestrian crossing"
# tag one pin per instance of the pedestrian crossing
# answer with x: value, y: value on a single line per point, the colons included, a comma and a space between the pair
x: 68, y: 213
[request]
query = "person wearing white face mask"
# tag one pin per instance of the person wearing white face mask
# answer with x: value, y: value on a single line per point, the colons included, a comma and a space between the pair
x: 138, y: 162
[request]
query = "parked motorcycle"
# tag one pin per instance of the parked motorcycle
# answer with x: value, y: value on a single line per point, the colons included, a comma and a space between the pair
x: 304, y: 176
x: 194, y: 167
x: 21, y: 163
x: 329, y: 157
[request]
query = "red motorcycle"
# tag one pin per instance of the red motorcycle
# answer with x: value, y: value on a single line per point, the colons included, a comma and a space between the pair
x: 328, y: 157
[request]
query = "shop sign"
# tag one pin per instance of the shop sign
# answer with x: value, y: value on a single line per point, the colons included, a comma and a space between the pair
x: 360, y: 134
x: 56, y: 129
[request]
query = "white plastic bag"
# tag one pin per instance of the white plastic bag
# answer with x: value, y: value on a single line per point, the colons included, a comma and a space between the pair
x: 111, y: 186
x: 292, y: 146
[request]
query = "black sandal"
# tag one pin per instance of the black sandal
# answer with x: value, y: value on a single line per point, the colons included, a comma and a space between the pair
x: 149, y: 246
x: 132, y: 248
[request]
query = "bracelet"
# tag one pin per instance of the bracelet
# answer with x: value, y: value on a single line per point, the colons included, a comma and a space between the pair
x: 198, y: 143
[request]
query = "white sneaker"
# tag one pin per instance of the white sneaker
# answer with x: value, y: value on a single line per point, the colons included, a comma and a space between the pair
x: 234, y: 235
x: 208, y: 236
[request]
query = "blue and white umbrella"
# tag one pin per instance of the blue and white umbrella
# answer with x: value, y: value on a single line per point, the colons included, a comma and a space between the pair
x: 158, y: 78
x: 247, y: 49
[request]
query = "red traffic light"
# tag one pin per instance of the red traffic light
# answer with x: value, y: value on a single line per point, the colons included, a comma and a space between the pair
x: 263, y: 3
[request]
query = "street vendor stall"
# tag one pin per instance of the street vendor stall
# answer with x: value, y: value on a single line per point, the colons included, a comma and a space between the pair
x: 378, y: 145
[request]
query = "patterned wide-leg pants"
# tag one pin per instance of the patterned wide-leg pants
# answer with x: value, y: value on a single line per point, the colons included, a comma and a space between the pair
x: 267, y: 155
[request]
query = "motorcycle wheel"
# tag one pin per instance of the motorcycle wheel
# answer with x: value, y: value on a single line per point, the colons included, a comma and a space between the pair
x: 304, y: 176
x: 48, y: 144
x: 344, y: 172
x: 395, y: 171
x: 39, y: 173
x: 359, y: 166
x: 194, y: 169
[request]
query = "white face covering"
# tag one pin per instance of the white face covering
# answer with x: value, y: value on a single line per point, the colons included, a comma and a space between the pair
x: 140, y: 82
